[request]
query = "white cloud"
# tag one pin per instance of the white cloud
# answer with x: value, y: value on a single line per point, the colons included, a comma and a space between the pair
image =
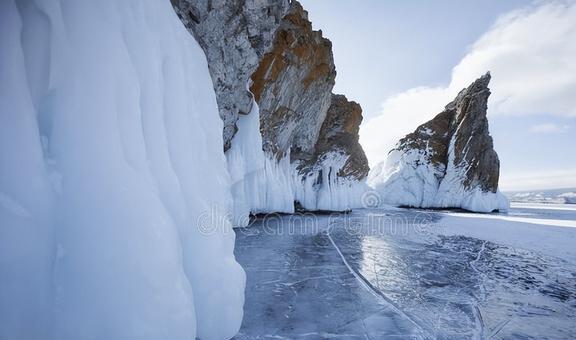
x: 549, y: 128
x: 401, y: 114
x: 531, y: 54
x: 542, y: 180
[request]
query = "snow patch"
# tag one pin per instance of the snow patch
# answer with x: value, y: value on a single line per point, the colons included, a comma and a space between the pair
x: 550, y: 236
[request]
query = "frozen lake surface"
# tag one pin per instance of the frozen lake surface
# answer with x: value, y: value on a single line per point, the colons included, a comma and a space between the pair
x: 379, y: 274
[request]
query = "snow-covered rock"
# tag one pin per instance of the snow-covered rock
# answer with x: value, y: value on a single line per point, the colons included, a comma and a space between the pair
x: 448, y: 162
x: 261, y: 183
x: 113, y: 184
x: 339, y: 134
x: 269, y: 49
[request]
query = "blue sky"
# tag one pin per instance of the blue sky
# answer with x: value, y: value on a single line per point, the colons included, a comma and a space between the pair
x: 403, y: 61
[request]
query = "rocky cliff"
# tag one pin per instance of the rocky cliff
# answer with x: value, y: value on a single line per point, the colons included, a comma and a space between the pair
x: 266, y: 53
x: 293, y: 86
x: 234, y: 34
x: 339, y: 134
x: 447, y: 162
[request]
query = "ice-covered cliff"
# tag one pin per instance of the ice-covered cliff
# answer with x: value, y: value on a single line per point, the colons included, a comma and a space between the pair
x: 270, y: 49
x: 234, y: 35
x: 448, y: 162
x: 113, y: 184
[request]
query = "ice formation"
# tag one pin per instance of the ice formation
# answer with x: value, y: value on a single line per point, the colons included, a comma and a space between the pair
x: 113, y: 184
x: 261, y: 183
x: 447, y: 162
x: 311, y: 155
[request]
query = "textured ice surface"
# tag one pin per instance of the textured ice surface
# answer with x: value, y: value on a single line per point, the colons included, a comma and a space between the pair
x: 374, y: 274
x: 299, y: 287
x: 110, y: 156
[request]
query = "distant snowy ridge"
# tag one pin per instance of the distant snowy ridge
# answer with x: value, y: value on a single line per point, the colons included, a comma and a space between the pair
x: 113, y: 183
x: 554, y: 196
x: 448, y: 162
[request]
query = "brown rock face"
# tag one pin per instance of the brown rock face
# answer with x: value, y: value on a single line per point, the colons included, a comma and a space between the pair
x: 292, y: 86
x: 298, y: 112
x: 473, y: 147
x: 462, y: 124
x: 339, y: 133
x: 234, y: 34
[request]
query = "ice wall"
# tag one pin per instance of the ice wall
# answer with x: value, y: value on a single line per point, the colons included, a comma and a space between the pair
x: 409, y: 179
x: 260, y: 184
x: 263, y: 184
x: 113, y: 184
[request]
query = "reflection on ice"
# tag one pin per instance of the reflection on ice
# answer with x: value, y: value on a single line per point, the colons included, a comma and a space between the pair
x: 364, y: 276
x: 298, y: 287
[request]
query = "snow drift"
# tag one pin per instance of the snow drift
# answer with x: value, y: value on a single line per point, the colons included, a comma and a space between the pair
x: 113, y: 184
